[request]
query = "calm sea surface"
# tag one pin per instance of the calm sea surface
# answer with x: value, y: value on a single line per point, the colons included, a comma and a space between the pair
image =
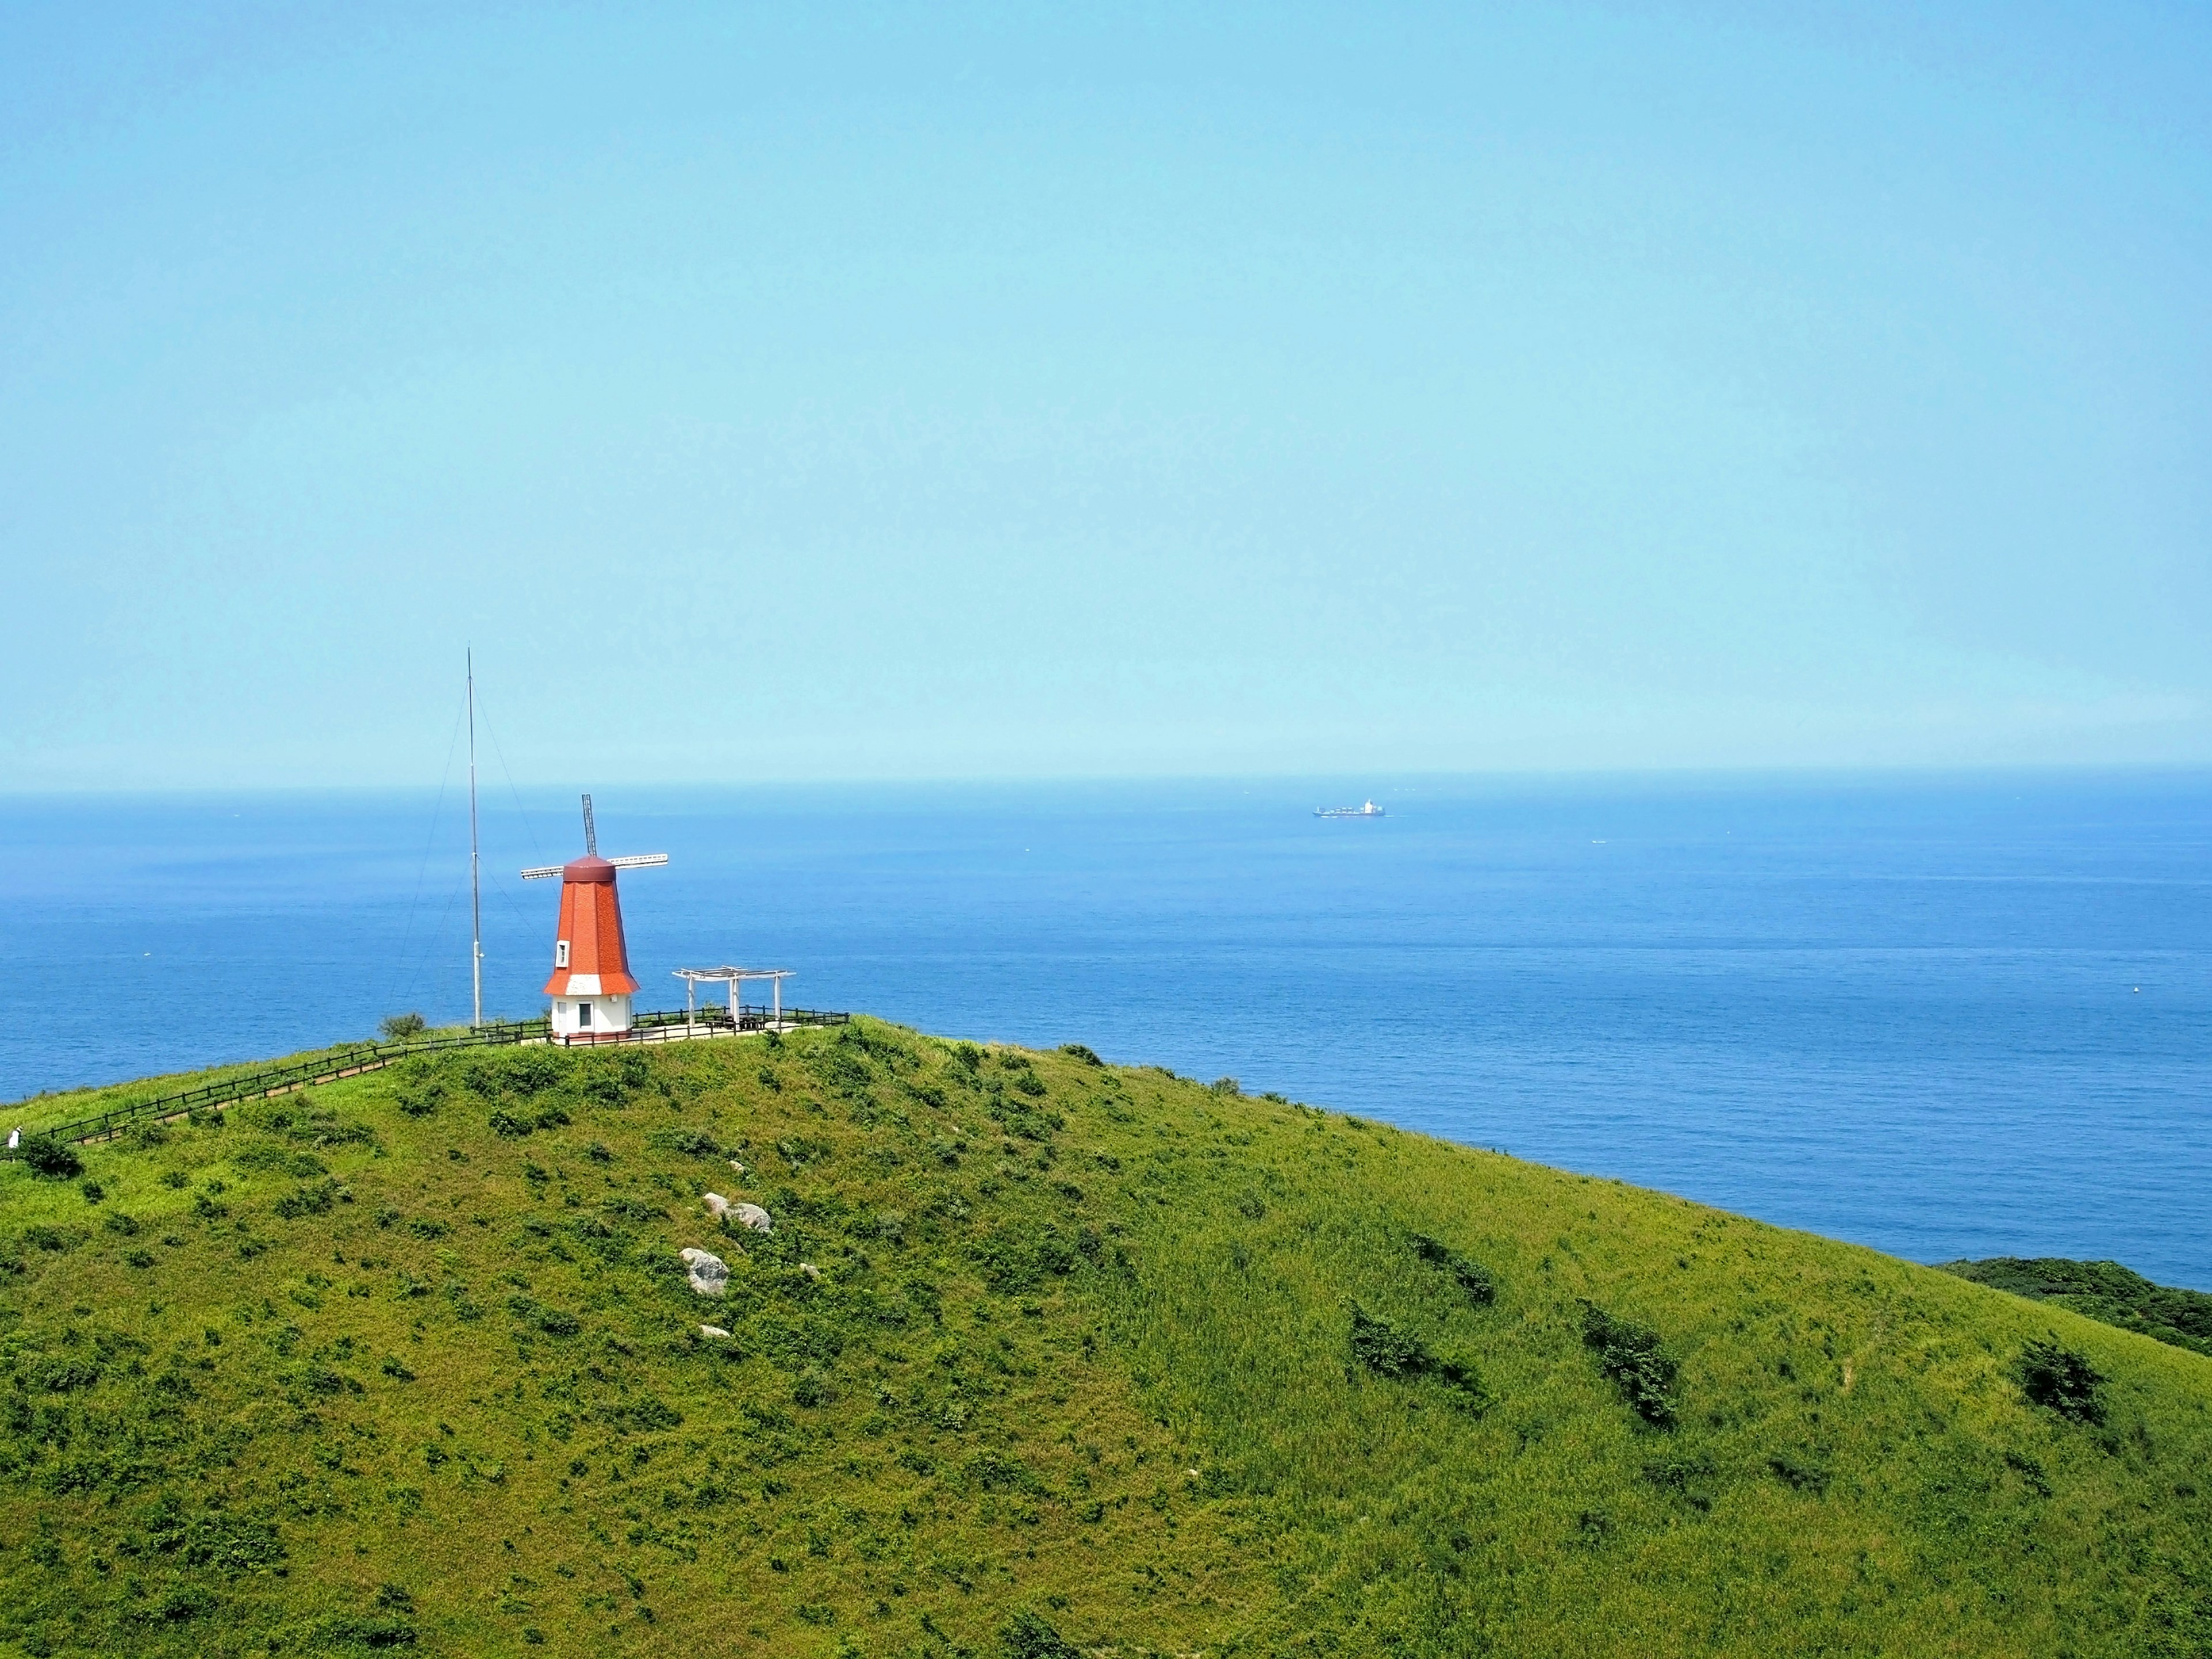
x: 1943, y: 1019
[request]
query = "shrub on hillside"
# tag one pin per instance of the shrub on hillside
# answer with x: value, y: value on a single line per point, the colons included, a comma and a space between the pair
x: 1477, y: 1280
x: 354, y: 1634
x: 2062, y: 1380
x: 1690, y: 1476
x: 420, y: 1087
x: 1013, y: 1260
x: 523, y: 1072
x: 398, y: 1028
x: 225, y: 1540
x: 1633, y: 1357
x: 314, y: 1199
x: 268, y: 1158
x: 510, y: 1126
x: 1029, y: 1636
x: 692, y: 1142
x: 611, y: 1080
x: 53, y: 1158
x: 1387, y: 1351
x: 1082, y: 1051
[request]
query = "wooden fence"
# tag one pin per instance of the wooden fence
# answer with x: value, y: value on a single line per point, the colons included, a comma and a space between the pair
x: 661, y: 1026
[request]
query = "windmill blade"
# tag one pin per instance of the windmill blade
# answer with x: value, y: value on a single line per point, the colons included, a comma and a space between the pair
x: 541, y: 871
x: 639, y: 861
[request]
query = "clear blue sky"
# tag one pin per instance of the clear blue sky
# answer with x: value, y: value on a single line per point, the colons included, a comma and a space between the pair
x: 1023, y: 391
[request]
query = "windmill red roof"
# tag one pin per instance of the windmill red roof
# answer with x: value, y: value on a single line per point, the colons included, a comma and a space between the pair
x: 591, y: 923
x: 590, y: 959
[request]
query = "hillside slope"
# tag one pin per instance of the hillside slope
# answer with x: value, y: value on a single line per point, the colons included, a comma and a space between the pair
x: 1041, y: 1357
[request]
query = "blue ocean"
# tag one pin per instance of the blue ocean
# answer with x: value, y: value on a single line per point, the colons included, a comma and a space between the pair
x: 1944, y: 1018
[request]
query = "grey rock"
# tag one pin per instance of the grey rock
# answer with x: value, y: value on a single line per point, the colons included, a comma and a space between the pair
x: 708, y: 1273
x: 717, y: 1206
x: 715, y: 1331
x: 753, y: 1216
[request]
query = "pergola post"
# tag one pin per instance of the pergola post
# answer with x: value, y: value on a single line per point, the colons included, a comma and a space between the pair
x: 735, y: 978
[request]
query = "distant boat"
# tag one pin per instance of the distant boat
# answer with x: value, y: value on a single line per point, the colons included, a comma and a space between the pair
x: 1364, y: 809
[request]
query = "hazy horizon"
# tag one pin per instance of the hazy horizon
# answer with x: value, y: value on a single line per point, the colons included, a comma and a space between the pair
x: 552, y: 792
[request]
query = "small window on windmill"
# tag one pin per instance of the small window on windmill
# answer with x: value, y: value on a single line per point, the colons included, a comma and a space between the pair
x: 560, y: 953
x: 583, y: 1013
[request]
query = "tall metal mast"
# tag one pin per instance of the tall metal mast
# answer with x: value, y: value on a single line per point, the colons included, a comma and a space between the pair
x: 475, y: 896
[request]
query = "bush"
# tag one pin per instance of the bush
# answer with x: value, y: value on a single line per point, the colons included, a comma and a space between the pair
x: 351, y: 1634
x: 1390, y: 1351
x: 1633, y: 1356
x: 308, y: 1200
x: 182, y: 1605
x: 692, y: 1142
x: 2062, y: 1380
x: 1013, y: 1262
x: 610, y: 1079
x: 420, y: 1089
x: 1477, y: 1280
x: 1384, y: 1349
x: 1082, y: 1051
x: 524, y: 1071
x: 398, y: 1028
x: 1226, y: 1086
x: 1029, y: 1636
x: 55, y: 1159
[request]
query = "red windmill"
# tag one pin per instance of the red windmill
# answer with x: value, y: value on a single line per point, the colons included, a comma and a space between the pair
x: 591, y: 987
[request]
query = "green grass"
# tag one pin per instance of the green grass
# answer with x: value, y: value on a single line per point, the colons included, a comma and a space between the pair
x: 1091, y: 1358
x: 69, y: 1105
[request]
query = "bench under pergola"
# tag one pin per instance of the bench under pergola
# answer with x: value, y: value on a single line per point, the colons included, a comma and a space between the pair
x: 735, y: 978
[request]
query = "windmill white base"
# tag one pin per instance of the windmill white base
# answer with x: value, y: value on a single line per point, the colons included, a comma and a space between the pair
x: 585, y: 1017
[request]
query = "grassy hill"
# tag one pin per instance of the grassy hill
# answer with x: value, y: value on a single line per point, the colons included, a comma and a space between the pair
x: 1041, y: 1357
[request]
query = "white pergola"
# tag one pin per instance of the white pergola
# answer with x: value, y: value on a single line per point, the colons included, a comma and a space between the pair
x: 735, y: 978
